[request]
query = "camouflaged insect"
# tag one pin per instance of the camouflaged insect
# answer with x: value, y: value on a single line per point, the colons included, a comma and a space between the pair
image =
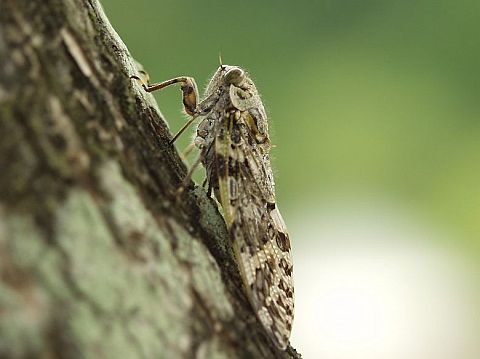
x: 234, y: 144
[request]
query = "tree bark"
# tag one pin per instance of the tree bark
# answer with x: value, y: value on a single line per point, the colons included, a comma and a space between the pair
x: 98, y: 256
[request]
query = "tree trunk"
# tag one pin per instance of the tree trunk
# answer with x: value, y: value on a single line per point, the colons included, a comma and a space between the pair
x: 98, y: 256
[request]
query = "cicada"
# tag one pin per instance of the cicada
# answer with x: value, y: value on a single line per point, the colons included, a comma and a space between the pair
x: 234, y: 145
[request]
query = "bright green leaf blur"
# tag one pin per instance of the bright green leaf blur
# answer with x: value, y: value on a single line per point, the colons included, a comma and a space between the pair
x: 363, y: 96
x: 369, y: 102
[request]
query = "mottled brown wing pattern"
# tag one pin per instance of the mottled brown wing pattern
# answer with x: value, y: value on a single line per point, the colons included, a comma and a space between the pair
x: 260, y: 239
x: 234, y: 144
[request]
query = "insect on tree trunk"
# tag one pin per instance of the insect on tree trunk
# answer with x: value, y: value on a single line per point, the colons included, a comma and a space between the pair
x: 98, y: 257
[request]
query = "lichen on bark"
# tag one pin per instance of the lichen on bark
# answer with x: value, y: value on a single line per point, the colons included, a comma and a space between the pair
x: 98, y: 256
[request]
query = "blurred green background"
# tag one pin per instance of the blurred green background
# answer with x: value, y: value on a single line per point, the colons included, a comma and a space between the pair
x: 373, y: 106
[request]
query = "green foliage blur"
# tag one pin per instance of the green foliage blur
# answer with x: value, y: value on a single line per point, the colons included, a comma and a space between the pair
x: 364, y: 97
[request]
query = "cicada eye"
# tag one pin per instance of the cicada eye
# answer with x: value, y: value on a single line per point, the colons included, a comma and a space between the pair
x: 235, y: 76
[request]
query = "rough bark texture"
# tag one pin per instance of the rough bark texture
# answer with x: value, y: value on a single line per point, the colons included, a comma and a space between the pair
x: 98, y: 258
